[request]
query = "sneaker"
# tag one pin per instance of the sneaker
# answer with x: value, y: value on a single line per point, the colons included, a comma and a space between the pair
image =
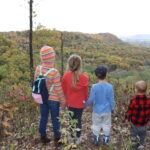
x: 96, y: 140
x: 45, y: 139
x: 105, y: 140
x: 135, y: 139
x: 140, y: 147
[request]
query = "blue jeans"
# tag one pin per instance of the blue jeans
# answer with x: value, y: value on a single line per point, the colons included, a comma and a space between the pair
x: 53, y: 108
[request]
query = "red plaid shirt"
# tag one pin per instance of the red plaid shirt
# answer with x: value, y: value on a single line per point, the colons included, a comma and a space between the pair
x: 139, y: 110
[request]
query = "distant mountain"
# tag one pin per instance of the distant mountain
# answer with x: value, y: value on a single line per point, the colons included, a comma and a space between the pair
x: 140, y: 39
x: 107, y: 38
x: 110, y: 37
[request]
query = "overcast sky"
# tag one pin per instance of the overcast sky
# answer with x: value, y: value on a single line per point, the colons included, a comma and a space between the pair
x: 119, y: 17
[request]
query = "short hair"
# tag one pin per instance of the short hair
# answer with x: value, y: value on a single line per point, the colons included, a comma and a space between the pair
x: 141, y: 86
x: 101, y: 72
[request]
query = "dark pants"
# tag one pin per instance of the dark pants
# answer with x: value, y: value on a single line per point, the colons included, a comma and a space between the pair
x: 53, y: 108
x: 77, y: 114
x: 139, y: 133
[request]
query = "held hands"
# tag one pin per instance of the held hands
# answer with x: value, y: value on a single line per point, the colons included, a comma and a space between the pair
x: 114, y: 111
x: 63, y: 105
x: 84, y: 102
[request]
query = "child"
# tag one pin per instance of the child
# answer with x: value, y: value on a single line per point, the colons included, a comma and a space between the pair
x: 139, y: 114
x: 56, y: 95
x: 75, y: 87
x: 102, y: 97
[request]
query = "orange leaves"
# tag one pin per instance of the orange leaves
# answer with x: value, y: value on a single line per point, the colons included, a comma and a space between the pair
x: 1, y: 107
x: 6, y: 114
x: 1, y: 113
x: 5, y: 124
x: 33, y: 104
x: 23, y: 98
x: 17, y: 94
x: 8, y: 105
x: 6, y: 119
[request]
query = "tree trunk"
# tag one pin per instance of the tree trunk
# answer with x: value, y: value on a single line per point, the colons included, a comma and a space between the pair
x: 62, y: 55
x: 30, y: 40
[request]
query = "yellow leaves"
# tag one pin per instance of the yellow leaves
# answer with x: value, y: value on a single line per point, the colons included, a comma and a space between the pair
x: 115, y: 59
x: 8, y: 107
x: 70, y: 146
x: 64, y: 140
x: 33, y: 104
x: 63, y: 131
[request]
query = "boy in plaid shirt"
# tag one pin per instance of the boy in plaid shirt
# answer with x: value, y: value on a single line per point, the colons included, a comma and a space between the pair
x: 139, y: 113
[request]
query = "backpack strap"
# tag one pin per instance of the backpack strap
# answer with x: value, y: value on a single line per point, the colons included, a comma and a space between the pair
x: 47, y: 74
x: 38, y: 84
x: 40, y: 79
x: 40, y: 70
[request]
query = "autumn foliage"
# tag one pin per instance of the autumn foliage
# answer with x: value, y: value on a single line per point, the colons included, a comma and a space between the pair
x: 19, y: 115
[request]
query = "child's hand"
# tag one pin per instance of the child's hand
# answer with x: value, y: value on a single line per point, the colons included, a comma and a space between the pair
x: 63, y: 105
x: 148, y: 124
x: 114, y: 111
x: 84, y: 102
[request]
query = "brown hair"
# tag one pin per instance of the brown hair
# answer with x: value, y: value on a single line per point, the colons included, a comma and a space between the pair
x: 141, y: 86
x: 74, y: 65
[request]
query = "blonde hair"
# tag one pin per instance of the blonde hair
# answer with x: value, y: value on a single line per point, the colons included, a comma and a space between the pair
x: 141, y: 86
x: 74, y: 65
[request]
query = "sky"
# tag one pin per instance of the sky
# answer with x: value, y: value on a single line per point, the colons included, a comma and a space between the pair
x: 119, y: 17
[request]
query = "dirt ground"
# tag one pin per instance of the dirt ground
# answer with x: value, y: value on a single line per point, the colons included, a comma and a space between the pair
x: 25, y: 134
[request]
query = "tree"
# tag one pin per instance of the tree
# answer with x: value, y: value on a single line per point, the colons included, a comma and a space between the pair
x: 30, y: 39
x: 62, y: 56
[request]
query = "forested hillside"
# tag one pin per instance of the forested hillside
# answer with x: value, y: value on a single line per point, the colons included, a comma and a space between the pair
x: 19, y: 115
x: 94, y: 48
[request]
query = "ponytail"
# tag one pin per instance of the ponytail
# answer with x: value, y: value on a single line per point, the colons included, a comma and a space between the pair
x: 74, y: 65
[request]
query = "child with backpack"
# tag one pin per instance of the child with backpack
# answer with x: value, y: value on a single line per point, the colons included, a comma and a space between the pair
x: 55, y: 96
x: 102, y: 97
x: 139, y: 114
x: 75, y: 87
